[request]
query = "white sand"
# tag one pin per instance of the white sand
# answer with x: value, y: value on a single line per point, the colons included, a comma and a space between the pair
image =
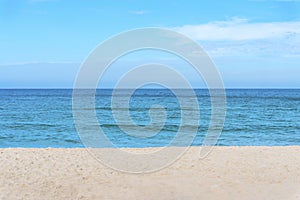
x: 227, y: 173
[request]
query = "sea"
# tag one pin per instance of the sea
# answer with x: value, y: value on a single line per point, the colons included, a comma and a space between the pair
x: 41, y: 118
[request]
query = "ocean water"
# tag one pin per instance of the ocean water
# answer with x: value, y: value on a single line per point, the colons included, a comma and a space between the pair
x: 255, y: 117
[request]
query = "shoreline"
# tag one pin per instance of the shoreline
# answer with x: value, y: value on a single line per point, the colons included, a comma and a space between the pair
x: 228, y: 172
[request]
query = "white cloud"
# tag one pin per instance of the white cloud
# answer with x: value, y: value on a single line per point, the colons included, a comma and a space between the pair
x: 40, y: 1
x: 240, y: 29
x: 36, y: 63
x: 276, y: 0
x: 239, y: 37
x: 139, y: 12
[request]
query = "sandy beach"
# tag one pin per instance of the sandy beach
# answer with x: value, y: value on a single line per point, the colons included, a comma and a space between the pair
x: 226, y: 173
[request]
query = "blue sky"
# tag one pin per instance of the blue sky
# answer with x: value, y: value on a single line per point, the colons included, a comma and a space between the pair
x: 254, y: 43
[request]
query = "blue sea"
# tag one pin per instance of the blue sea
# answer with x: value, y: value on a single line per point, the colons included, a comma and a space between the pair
x: 255, y: 117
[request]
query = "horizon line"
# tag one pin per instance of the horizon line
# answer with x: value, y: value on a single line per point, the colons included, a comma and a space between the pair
x: 111, y: 88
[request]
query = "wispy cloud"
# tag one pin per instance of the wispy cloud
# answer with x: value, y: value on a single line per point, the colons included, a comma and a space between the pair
x: 241, y: 37
x: 139, y: 12
x: 276, y: 0
x: 36, y: 63
x: 40, y: 1
x: 241, y: 29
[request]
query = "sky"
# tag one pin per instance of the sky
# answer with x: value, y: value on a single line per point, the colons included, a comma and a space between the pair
x: 253, y: 43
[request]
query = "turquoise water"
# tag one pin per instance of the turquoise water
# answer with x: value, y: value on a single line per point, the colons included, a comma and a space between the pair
x: 43, y: 118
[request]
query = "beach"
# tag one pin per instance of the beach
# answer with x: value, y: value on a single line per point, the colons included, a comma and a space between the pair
x: 226, y: 173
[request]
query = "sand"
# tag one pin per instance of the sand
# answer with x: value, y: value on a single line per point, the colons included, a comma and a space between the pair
x: 226, y: 173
